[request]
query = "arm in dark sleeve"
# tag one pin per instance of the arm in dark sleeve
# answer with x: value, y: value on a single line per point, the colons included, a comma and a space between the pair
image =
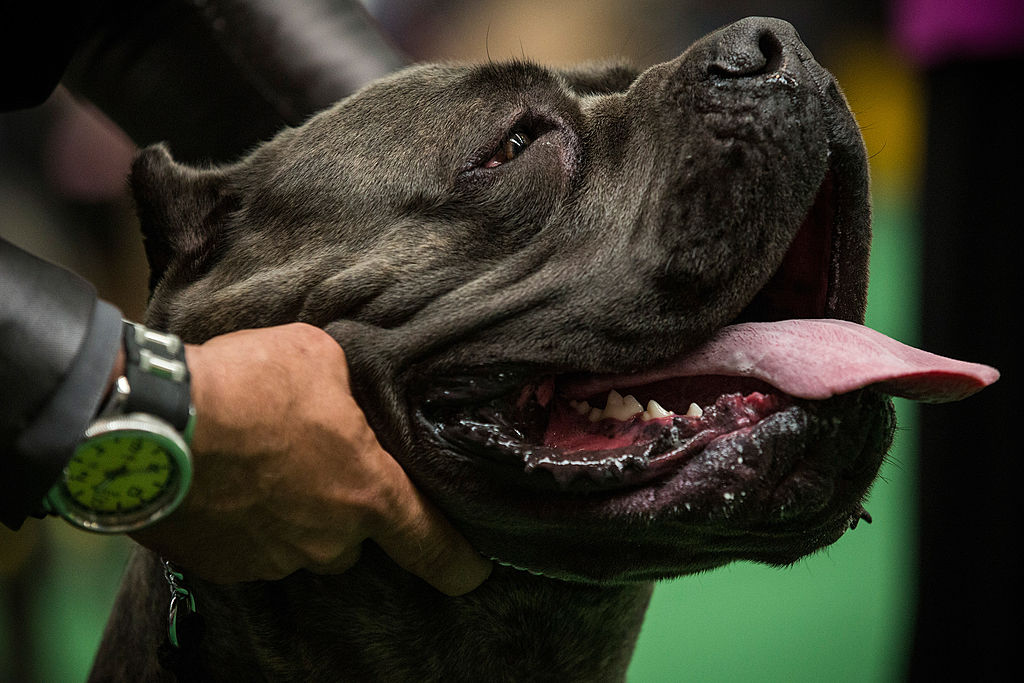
x: 210, y: 78
x: 58, y: 343
x: 213, y: 78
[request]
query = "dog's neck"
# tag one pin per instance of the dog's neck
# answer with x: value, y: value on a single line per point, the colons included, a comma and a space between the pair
x: 376, y: 622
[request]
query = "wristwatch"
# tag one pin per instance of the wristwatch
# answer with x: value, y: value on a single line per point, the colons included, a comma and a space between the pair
x: 133, y: 466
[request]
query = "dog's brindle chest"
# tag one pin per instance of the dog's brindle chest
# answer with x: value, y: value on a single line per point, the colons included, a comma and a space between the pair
x: 649, y: 211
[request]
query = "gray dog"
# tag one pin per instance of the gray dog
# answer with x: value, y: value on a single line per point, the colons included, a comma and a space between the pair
x: 606, y: 320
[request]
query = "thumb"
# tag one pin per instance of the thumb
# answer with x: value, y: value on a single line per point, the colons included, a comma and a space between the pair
x: 421, y: 541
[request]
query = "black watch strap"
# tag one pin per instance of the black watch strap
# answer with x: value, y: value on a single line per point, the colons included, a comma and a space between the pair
x: 157, y: 376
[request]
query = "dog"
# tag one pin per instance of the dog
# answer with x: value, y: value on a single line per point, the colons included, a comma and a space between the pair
x: 607, y: 319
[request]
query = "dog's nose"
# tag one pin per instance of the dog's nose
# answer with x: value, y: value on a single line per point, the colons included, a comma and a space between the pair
x: 756, y: 46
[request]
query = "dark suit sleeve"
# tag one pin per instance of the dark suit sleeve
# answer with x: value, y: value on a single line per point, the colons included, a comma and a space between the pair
x: 212, y: 79
x: 58, y: 343
x: 209, y: 78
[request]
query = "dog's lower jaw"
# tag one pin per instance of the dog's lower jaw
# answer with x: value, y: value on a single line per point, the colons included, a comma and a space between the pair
x: 377, y: 622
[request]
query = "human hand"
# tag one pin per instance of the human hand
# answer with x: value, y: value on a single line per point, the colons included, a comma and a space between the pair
x: 288, y: 474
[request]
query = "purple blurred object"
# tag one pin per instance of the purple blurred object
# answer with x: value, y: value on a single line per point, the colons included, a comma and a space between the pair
x: 932, y: 31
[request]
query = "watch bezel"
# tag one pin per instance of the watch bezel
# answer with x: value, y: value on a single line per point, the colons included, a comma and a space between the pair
x: 115, y: 522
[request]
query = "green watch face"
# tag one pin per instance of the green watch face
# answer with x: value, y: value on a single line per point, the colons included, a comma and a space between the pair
x: 119, y: 472
x: 129, y: 471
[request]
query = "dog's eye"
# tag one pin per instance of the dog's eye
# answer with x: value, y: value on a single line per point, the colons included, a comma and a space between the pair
x: 510, y: 149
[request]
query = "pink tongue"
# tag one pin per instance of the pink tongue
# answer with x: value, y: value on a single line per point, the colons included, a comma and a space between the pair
x: 815, y: 359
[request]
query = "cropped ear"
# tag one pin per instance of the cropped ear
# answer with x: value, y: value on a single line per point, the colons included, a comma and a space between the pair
x: 600, y: 78
x: 180, y: 210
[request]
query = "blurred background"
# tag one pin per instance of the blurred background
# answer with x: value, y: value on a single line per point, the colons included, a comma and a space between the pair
x: 850, y: 613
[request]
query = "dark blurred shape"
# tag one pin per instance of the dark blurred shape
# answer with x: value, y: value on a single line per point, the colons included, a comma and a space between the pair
x: 972, y: 55
x: 177, y: 70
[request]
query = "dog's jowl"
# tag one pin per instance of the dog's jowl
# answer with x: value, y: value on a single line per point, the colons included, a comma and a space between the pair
x: 607, y: 320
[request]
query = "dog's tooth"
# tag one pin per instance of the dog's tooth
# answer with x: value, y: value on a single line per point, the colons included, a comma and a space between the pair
x: 623, y: 409
x: 633, y: 405
x: 614, y: 399
x: 595, y: 414
x: 581, y: 407
x: 654, y: 410
x: 694, y: 411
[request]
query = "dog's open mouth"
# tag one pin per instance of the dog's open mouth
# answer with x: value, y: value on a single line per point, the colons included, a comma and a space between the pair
x: 593, y: 433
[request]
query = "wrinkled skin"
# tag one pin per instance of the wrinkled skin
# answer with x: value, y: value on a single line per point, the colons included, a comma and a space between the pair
x: 467, y: 287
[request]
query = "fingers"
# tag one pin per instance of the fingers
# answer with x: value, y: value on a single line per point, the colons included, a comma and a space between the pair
x: 421, y: 541
x: 280, y: 413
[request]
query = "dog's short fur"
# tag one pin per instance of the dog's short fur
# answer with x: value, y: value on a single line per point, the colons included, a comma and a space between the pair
x: 647, y: 211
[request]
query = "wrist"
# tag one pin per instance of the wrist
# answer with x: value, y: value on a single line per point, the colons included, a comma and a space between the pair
x: 133, y: 465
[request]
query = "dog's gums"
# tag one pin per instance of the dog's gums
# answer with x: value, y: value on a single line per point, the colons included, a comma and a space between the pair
x: 587, y: 452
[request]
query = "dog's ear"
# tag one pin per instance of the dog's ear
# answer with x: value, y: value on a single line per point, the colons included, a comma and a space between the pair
x: 600, y: 78
x: 180, y: 210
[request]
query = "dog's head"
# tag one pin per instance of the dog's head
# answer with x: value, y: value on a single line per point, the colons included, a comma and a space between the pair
x: 498, y: 247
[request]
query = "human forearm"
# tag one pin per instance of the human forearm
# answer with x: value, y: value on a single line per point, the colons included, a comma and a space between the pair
x: 58, y: 344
